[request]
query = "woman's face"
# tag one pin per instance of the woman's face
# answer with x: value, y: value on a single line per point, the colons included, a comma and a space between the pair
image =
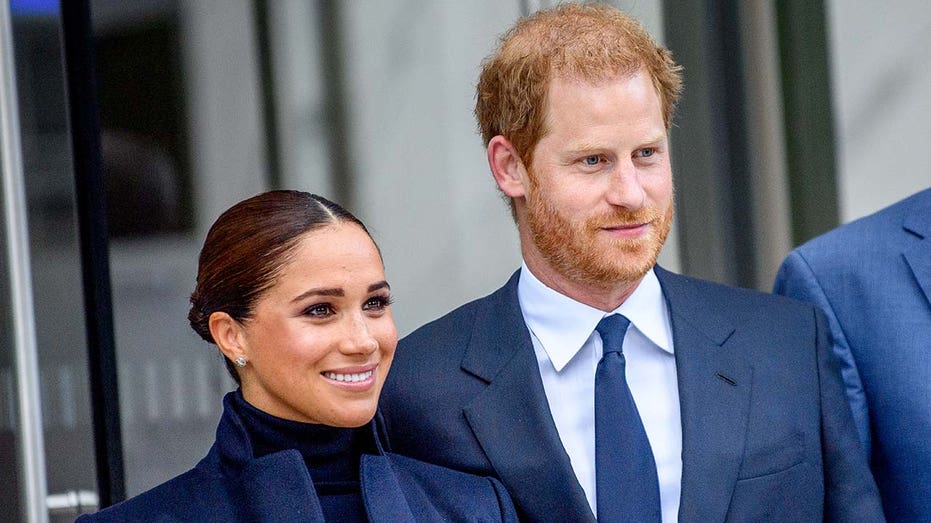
x: 321, y: 340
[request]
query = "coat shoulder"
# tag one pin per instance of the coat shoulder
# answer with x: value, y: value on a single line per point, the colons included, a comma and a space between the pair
x: 876, y: 232
x: 704, y: 295
x: 442, y: 340
x: 503, y: 299
x: 194, y: 495
x: 445, y: 329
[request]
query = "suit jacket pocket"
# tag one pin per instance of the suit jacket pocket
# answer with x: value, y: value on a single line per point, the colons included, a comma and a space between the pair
x: 772, y: 458
x: 793, y: 494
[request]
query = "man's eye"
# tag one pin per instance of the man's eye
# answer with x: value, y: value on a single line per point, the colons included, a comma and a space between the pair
x: 591, y: 160
x: 647, y: 152
x: 320, y: 310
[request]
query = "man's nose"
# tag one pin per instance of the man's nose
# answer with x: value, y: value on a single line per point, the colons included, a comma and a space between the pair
x: 624, y: 186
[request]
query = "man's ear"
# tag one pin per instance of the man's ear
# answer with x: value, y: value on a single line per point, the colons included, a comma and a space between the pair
x: 507, y: 167
x: 227, y: 333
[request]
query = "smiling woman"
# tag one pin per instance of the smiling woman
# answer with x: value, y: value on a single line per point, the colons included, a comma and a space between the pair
x: 316, y: 345
x: 292, y: 290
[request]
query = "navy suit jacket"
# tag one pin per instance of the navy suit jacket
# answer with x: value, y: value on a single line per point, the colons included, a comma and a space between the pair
x: 766, y: 430
x: 230, y: 485
x: 872, y: 278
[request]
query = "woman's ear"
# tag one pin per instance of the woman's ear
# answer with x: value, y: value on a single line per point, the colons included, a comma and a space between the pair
x: 227, y: 333
x: 507, y: 167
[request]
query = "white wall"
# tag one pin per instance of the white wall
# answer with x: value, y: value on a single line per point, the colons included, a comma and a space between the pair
x: 224, y: 103
x: 424, y: 188
x: 881, y: 82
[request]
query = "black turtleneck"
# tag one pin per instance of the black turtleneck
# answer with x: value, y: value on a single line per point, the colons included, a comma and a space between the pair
x: 331, y: 455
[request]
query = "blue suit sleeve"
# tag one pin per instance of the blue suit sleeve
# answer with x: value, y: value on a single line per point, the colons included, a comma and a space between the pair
x: 796, y: 279
x: 850, y: 493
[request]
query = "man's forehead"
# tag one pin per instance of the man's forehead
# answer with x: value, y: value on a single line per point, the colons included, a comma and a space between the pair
x: 595, y: 79
x: 570, y: 91
x: 582, y: 73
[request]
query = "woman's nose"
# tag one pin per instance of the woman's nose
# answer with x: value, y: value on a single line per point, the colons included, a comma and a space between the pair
x: 358, y: 339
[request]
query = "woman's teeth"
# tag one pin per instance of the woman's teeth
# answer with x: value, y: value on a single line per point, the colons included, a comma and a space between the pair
x: 348, y: 377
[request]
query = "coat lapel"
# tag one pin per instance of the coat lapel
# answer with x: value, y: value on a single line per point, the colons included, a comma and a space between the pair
x: 511, y: 418
x: 918, y: 255
x: 277, y: 487
x: 384, y: 499
x: 714, y: 397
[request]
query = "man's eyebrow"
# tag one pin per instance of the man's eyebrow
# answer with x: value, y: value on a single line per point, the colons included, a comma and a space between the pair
x: 586, y: 147
x: 659, y: 138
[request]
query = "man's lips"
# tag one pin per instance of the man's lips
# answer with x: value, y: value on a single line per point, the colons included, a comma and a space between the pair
x: 632, y: 230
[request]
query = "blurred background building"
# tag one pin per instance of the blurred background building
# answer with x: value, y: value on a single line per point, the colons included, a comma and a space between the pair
x: 126, y: 127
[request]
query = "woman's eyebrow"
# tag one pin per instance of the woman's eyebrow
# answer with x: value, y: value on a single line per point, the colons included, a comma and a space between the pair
x: 380, y: 285
x: 319, y: 292
x: 336, y: 291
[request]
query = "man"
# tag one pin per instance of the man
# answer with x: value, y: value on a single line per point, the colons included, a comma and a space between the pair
x: 738, y: 410
x: 872, y: 278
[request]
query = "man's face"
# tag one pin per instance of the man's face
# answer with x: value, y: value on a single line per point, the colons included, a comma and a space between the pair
x: 599, y: 201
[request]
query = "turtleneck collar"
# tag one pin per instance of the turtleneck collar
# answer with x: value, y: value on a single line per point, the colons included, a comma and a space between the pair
x: 331, y: 454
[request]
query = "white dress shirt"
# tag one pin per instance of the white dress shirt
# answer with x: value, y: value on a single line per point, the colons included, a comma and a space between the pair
x: 568, y: 350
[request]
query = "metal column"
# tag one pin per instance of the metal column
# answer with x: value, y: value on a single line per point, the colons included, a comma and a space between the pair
x: 31, y: 440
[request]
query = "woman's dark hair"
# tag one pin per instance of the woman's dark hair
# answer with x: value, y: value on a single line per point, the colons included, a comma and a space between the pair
x: 246, y: 249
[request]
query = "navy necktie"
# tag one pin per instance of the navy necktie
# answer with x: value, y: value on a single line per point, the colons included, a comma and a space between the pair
x: 625, y: 473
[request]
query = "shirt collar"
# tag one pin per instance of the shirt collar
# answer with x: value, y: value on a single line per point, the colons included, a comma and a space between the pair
x: 563, y: 325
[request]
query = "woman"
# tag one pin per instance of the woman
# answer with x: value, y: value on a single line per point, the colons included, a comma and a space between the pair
x: 292, y: 290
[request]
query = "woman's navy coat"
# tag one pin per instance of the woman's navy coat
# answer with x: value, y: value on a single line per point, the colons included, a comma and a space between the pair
x: 230, y: 485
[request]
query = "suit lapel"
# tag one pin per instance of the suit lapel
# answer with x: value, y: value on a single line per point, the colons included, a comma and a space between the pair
x: 714, y: 397
x: 511, y: 418
x: 918, y: 255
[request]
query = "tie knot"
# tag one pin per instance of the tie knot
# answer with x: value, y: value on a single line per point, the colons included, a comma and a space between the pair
x: 612, y: 330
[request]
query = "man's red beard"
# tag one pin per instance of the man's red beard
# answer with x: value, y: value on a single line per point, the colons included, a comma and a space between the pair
x: 575, y: 251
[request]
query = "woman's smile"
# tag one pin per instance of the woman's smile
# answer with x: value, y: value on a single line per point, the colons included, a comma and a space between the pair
x: 353, y: 378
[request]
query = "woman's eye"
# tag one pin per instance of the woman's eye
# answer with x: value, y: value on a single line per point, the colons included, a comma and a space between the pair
x: 591, y: 161
x: 377, y: 303
x: 320, y: 310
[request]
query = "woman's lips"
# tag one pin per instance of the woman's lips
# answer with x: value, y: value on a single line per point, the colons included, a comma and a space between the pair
x: 355, y: 378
